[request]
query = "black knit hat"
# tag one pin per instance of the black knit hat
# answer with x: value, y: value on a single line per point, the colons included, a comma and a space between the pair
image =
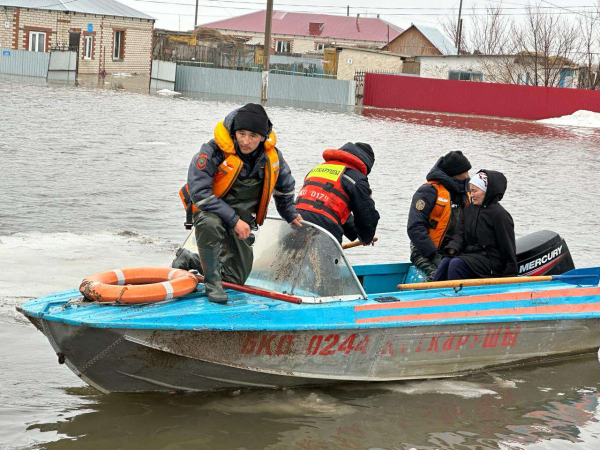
x: 367, y: 149
x: 454, y: 163
x: 252, y: 117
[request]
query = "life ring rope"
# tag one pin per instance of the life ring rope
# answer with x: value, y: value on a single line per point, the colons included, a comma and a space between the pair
x: 138, y: 285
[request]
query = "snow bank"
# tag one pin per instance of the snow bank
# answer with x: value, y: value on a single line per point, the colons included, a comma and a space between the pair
x: 579, y: 118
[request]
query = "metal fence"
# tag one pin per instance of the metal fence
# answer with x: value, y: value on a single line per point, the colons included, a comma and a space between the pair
x: 481, y: 99
x: 163, y: 70
x: 217, y: 81
x: 248, y: 84
x: 38, y: 64
x: 21, y: 62
x: 317, y: 90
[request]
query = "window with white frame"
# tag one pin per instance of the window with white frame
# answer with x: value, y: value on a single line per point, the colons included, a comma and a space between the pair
x: 465, y: 75
x: 283, y: 46
x: 118, y: 45
x: 89, y: 45
x: 37, y: 41
x: 320, y: 46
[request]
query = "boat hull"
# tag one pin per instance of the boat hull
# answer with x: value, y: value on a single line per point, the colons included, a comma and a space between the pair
x: 139, y: 360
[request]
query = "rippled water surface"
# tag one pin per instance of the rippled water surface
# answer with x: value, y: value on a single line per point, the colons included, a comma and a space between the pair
x: 88, y: 182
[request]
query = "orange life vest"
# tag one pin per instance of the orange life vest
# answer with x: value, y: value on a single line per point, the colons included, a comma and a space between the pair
x: 229, y: 170
x: 323, y: 193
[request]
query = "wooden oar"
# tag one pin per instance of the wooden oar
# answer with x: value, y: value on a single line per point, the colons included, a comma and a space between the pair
x: 257, y: 291
x: 571, y: 277
x: 355, y: 244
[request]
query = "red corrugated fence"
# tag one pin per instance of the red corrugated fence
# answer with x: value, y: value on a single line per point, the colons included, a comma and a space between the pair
x: 482, y: 99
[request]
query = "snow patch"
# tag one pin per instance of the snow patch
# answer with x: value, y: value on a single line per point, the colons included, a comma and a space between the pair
x: 167, y: 92
x: 121, y: 75
x: 581, y: 118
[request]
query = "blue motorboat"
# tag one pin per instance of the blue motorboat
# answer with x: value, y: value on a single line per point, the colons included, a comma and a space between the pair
x: 351, y: 324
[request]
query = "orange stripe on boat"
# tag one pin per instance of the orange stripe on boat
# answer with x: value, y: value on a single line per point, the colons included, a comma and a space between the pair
x: 511, y: 296
x: 548, y: 309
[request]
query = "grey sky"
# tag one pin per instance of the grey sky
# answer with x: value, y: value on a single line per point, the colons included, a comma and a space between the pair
x: 179, y: 14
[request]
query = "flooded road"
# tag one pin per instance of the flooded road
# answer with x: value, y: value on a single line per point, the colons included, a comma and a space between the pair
x: 89, y: 183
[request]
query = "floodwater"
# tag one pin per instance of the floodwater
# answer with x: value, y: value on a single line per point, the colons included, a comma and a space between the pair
x: 89, y: 180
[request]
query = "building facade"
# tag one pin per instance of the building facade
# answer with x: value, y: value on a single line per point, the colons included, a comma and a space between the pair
x: 504, y: 69
x: 103, y: 42
x: 352, y: 60
x: 421, y: 40
x: 304, y: 33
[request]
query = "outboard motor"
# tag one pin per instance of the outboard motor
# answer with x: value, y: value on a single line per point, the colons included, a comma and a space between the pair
x: 543, y: 253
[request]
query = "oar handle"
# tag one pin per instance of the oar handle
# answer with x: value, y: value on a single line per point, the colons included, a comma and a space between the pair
x: 473, y: 282
x: 355, y: 244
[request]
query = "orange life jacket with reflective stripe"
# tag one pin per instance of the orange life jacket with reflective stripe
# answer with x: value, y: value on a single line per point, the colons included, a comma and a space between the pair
x: 229, y: 170
x: 439, y: 219
x: 323, y: 193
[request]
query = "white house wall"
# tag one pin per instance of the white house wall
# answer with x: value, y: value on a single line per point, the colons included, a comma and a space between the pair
x: 350, y: 60
x: 489, y: 65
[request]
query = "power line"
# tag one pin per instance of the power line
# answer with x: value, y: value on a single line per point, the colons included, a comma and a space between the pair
x: 566, y: 13
x: 522, y: 6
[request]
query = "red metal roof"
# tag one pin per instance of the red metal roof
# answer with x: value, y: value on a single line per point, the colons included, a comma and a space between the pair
x: 298, y: 24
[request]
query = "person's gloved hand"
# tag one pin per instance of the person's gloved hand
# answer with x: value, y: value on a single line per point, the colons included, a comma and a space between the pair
x: 451, y: 251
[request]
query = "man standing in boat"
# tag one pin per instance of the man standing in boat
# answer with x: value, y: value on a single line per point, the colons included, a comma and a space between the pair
x: 436, y: 209
x: 336, y: 194
x: 230, y: 183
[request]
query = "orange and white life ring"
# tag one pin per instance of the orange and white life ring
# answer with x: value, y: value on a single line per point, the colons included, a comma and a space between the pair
x: 138, y: 285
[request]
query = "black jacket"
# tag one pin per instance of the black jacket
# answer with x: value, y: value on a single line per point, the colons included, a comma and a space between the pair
x: 418, y: 219
x: 362, y: 223
x: 485, y: 238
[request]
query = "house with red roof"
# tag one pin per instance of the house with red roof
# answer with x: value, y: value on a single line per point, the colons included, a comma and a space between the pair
x: 302, y: 33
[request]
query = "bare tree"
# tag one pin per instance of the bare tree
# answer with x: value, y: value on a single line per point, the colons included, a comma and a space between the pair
x: 490, y: 32
x: 449, y: 25
x: 589, y: 30
x: 547, y: 44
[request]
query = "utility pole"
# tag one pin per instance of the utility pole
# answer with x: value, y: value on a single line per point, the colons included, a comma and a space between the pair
x: 458, y: 28
x: 196, y: 20
x: 460, y: 22
x: 266, y: 54
x: 348, y: 11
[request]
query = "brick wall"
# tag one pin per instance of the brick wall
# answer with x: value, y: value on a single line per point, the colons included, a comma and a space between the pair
x: 58, y: 24
x: 137, y: 42
x: 9, y: 15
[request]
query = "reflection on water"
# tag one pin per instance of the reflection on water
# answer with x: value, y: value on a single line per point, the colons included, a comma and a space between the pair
x: 94, y: 185
x: 513, y: 408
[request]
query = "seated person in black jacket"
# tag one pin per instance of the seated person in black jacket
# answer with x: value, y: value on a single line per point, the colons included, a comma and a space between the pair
x: 336, y: 194
x: 484, y: 242
x: 436, y: 210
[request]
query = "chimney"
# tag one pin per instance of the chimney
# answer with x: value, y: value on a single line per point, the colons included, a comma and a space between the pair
x: 357, y: 19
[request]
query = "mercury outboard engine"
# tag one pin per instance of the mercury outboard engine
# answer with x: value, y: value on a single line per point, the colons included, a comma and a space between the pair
x: 543, y: 253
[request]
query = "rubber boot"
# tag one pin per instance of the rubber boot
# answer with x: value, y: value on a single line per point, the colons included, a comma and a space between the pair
x: 186, y: 260
x: 211, y: 266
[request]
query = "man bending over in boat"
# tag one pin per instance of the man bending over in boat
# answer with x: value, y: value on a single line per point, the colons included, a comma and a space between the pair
x: 230, y: 183
x: 435, y: 211
x: 484, y: 242
x: 336, y: 194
